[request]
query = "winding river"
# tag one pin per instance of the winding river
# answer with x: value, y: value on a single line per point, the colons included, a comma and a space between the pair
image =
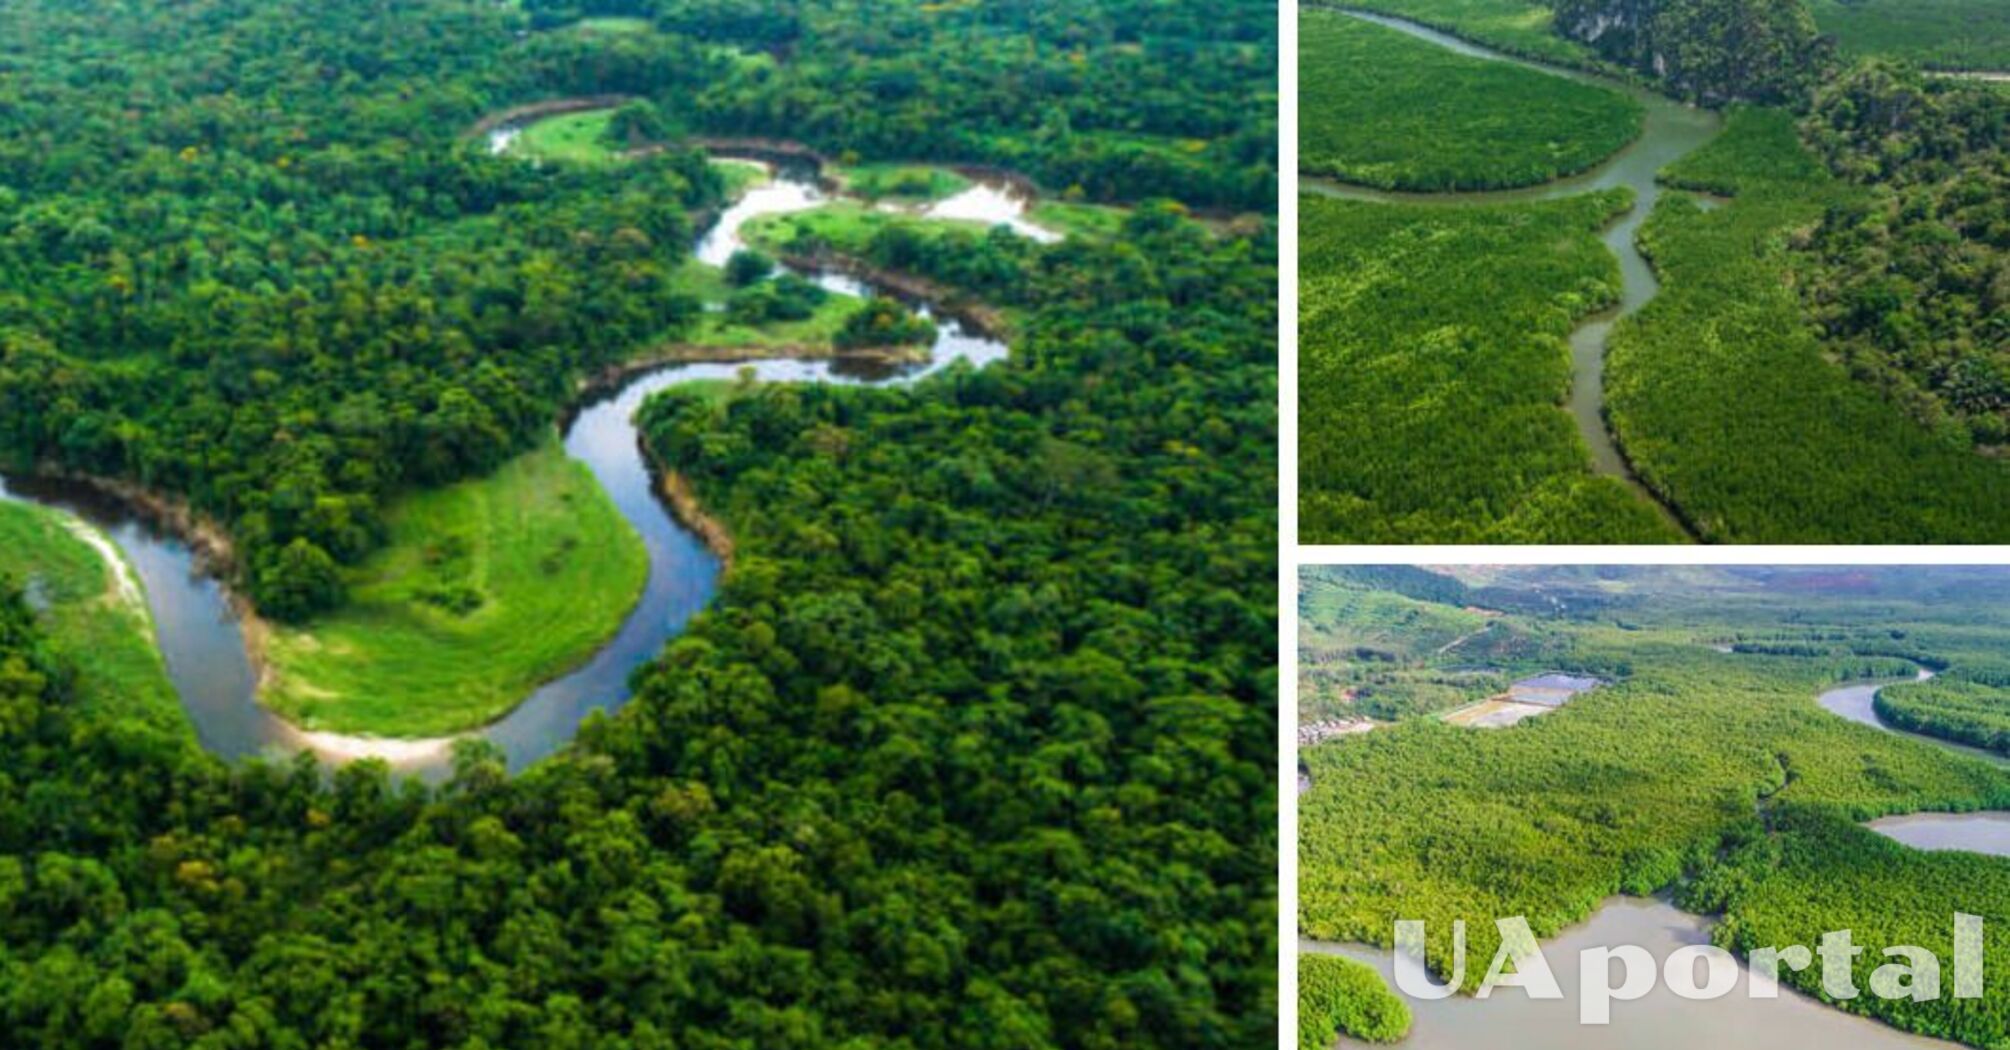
x: 202, y: 640
x: 1670, y: 131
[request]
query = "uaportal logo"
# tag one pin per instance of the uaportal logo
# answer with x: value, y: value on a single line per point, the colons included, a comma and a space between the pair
x: 1696, y: 971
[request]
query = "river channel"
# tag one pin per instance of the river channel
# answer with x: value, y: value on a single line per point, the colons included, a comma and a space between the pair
x: 1669, y: 131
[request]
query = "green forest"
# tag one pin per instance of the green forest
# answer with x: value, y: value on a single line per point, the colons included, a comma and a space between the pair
x: 975, y: 745
x: 1378, y: 108
x: 1459, y: 315
x: 1343, y: 996
x: 1713, y: 775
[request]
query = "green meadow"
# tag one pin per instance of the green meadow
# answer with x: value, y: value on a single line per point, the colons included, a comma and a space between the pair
x: 94, y: 615
x: 908, y: 183
x: 569, y: 138
x: 1384, y: 109
x: 486, y: 589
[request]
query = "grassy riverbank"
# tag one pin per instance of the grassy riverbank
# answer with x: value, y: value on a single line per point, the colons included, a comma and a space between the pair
x: 1434, y: 369
x: 486, y: 589
x: 1381, y: 108
x: 94, y: 611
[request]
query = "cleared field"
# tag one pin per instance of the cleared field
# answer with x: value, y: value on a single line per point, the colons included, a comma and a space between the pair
x: 614, y: 25
x: 94, y: 614
x: 569, y: 138
x: 1078, y: 220
x: 1434, y: 369
x: 1496, y: 714
x: 485, y: 590
x: 1380, y: 108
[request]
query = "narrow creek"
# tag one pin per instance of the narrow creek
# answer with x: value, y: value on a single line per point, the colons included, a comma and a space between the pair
x: 1669, y: 131
x: 203, y: 643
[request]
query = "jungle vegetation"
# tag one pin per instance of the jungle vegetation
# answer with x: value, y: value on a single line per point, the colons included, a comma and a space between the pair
x: 1910, y: 280
x: 176, y: 288
x: 1953, y: 707
x: 1459, y: 315
x: 1382, y: 109
x: 1342, y: 997
x: 1709, y: 51
x: 1725, y: 399
x: 1714, y: 775
x: 1836, y: 325
x: 975, y: 747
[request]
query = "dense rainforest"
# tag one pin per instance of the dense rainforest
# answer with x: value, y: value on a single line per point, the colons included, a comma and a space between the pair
x: 1710, y: 51
x: 975, y: 746
x: 250, y: 259
x: 1706, y: 768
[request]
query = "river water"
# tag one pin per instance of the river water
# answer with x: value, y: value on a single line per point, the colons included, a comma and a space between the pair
x: 1670, y: 130
x: 203, y: 644
x: 1661, y: 1020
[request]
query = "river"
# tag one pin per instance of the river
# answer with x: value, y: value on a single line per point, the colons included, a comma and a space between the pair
x: 202, y: 640
x: 1661, y: 1020
x: 1669, y: 131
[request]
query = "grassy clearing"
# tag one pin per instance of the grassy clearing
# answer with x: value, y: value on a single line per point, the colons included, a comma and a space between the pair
x: 485, y: 590
x: 614, y: 25
x: 569, y: 138
x: 846, y: 226
x: 1434, y: 369
x: 1094, y: 221
x: 907, y: 183
x: 1725, y: 400
x: 715, y: 328
x: 1385, y: 109
x: 103, y: 626
x: 1941, y: 34
x: 740, y: 175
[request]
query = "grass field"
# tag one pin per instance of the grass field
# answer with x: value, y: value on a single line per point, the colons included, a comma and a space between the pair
x: 568, y: 138
x: 486, y: 589
x: 90, y: 614
x: 1078, y: 220
x: 845, y: 225
x: 908, y: 183
x: 1725, y: 400
x: 1433, y: 370
x: 1384, y: 109
x: 1940, y: 34
x: 614, y: 25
